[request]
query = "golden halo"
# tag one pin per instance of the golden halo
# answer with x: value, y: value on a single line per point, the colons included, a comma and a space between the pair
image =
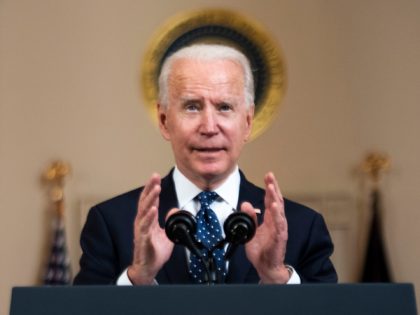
x: 228, y: 27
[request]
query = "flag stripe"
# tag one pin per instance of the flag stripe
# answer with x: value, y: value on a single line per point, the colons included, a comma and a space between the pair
x: 58, y: 270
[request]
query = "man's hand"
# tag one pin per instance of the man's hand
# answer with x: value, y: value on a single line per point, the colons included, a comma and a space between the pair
x: 152, y: 248
x: 266, y: 251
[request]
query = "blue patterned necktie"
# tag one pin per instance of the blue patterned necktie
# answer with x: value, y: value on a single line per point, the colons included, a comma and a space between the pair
x: 209, y: 233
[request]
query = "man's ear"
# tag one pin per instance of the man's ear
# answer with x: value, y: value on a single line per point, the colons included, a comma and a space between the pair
x: 163, y: 121
x: 249, y: 121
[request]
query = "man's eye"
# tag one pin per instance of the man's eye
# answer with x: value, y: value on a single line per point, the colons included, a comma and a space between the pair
x: 224, y: 107
x: 192, y: 107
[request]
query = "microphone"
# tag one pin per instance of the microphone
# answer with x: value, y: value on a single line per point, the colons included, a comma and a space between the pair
x: 239, y: 229
x: 181, y: 228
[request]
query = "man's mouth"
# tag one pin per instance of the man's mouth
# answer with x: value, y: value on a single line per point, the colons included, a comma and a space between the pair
x: 209, y: 149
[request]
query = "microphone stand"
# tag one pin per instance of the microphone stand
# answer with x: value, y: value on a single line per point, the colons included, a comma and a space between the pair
x: 211, y: 270
x: 210, y: 276
x: 213, y: 275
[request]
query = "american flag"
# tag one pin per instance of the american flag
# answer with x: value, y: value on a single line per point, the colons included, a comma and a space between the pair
x: 376, y: 267
x: 58, y: 271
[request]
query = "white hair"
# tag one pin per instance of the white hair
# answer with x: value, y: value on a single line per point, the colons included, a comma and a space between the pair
x: 207, y: 52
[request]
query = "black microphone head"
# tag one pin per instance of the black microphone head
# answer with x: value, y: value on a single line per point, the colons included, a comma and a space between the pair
x: 239, y: 228
x: 181, y: 228
x: 180, y: 224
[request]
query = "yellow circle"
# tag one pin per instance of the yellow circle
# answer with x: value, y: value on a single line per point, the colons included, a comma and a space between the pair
x: 273, y: 77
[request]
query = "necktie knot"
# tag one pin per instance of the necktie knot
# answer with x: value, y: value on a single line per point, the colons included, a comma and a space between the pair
x: 206, y: 198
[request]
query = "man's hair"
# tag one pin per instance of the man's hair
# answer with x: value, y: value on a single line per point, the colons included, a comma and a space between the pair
x: 207, y: 52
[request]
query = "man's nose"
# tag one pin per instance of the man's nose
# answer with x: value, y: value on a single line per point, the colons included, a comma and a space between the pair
x: 209, y: 124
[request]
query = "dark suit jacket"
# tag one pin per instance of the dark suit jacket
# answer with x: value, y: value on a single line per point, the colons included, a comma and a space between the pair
x: 107, y: 240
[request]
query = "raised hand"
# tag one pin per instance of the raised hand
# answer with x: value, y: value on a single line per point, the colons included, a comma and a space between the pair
x: 152, y: 248
x: 266, y: 251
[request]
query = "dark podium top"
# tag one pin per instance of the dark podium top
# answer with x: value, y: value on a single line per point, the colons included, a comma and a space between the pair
x: 322, y: 299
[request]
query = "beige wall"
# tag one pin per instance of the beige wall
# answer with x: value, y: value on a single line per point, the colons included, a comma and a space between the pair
x: 69, y: 89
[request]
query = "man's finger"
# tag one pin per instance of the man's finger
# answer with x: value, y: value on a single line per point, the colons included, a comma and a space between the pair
x: 271, y: 179
x: 273, y: 193
x: 277, y: 188
x: 150, y: 184
x: 147, y: 222
x: 171, y: 212
x: 149, y: 196
x: 153, y: 180
x: 247, y: 208
x: 270, y: 195
x: 148, y: 201
x: 152, y: 198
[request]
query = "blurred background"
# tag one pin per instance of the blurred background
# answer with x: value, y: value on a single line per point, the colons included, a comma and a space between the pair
x: 70, y: 89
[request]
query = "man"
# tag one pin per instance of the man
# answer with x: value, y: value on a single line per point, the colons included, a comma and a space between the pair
x: 205, y: 111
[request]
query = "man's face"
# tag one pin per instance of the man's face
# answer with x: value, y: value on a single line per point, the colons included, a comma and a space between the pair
x: 206, y: 120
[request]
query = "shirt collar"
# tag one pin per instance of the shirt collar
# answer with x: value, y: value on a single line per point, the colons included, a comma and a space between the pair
x: 186, y: 191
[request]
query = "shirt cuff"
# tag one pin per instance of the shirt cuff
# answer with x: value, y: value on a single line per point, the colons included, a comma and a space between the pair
x: 294, y: 277
x: 123, y: 279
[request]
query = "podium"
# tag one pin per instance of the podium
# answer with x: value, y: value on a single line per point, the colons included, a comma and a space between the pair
x: 311, y: 299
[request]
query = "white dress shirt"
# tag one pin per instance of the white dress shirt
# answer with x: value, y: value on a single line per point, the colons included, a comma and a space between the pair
x: 223, y: 206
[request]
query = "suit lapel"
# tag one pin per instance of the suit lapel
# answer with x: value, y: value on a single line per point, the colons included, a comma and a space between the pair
x: 175, y: 269
x: 239, y: 265
x: 167, y: 198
